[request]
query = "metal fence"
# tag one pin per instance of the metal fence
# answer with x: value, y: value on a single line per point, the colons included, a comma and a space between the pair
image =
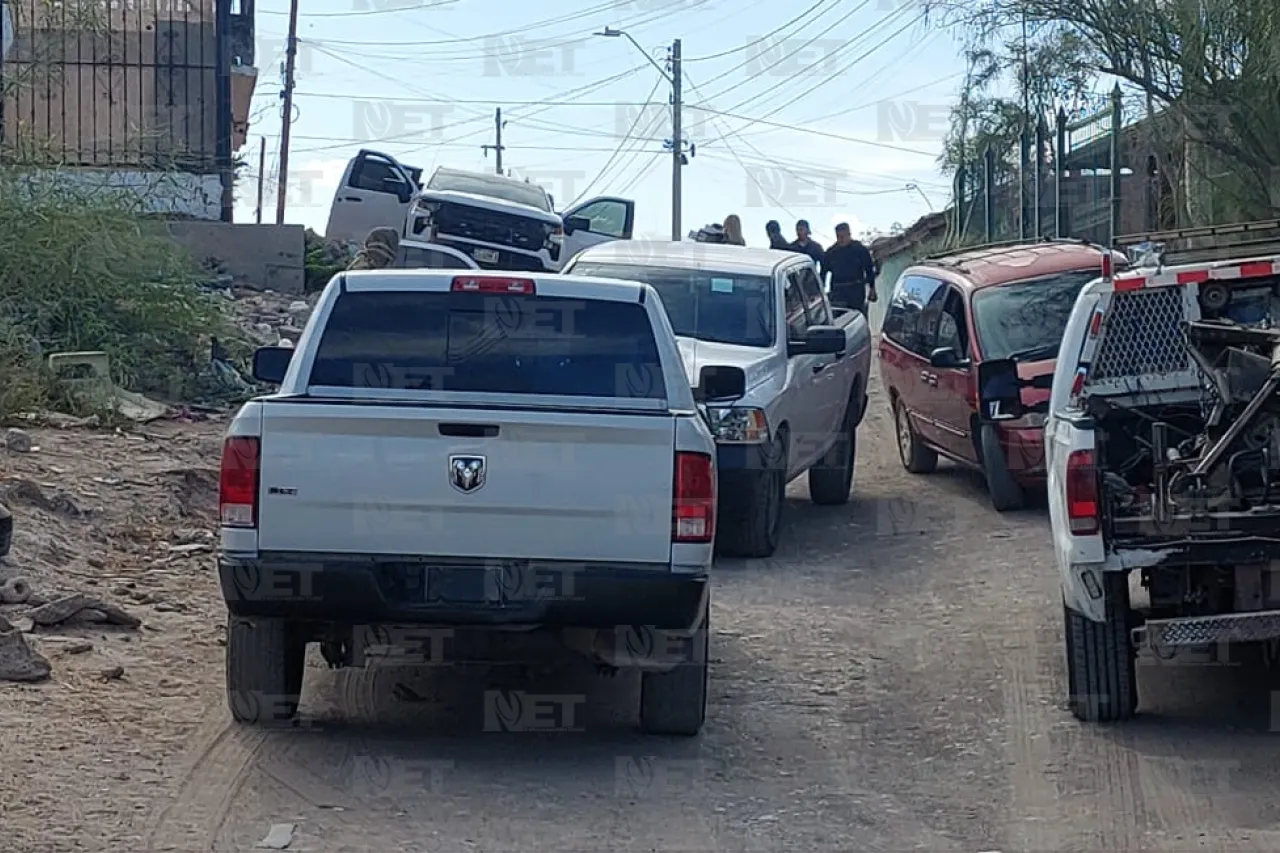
x: 1090, y: 178
x: 125, y: 84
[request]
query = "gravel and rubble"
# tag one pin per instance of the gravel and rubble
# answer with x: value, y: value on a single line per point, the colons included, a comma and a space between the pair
x: 108, y: 530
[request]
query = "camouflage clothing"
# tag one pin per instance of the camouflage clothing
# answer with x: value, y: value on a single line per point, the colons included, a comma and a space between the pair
x: 379, y: 252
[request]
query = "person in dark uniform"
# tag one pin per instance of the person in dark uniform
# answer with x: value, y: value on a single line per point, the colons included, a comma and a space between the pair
x: 774, y: 230
x: 853, y: 271
x: 805, y: 245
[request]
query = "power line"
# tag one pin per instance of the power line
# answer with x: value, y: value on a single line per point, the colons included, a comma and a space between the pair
x: 575, y: 17
x: 762, y: 38
x: 366, y: 12
x: 503, y: 102
x: 621, y: 145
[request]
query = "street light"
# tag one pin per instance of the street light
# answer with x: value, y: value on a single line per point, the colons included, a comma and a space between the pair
x: 677, y: 144
x: 610, y: 32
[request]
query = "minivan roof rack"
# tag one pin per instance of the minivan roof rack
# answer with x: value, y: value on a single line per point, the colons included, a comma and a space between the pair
x: 1211, y: 242
x: 988, y: 250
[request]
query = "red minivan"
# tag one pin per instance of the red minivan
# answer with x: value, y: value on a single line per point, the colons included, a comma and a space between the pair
x: 946, y: 316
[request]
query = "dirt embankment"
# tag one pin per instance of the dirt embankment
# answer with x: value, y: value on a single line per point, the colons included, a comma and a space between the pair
x: 110, y: 599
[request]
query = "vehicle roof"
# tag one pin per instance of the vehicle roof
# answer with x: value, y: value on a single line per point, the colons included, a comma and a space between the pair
x: 719, y: 257
x: 487, y: 177
x: 548, y: 284
x: 987, y: 266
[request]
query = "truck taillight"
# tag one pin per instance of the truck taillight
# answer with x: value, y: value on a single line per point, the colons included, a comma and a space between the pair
x: 238, y: 483
x: 1082, y: 493
x: 479, y: 284
x: 693, y: 505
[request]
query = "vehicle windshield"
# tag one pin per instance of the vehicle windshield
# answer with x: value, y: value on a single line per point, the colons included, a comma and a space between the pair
x: 1027, y: 319
x: 502, y: 188
x: 725, y: 308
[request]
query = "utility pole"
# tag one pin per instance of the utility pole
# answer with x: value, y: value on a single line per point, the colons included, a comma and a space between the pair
x: 262, y: 176
x: 497, y: 147
x: 286, y: 120
x: 677, y: 140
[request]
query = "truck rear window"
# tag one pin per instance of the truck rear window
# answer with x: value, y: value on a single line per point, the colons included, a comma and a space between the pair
x: 486, y: 343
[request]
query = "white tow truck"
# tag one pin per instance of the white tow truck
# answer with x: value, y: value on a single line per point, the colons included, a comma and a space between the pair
x: 472, y: 452
x: 1162, y: 444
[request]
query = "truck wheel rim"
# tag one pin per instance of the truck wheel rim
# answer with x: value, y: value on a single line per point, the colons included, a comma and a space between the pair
x: 904, y: 435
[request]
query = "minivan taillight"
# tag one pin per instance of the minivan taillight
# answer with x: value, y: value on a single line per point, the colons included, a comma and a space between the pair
x: 238, y: 483
x: 693, y: 504
x: 1082, y: 493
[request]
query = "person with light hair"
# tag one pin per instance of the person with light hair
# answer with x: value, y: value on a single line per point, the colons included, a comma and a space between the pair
x: 733, y: 230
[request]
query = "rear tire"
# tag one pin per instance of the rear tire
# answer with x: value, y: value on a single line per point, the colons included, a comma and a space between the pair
x: 915, y: 457
x: 1101, y: 666
x: 1006, y: 494
x: 264, y: 666
x: 675, y: 702
x: 753, y: 527
x: 831, y: 479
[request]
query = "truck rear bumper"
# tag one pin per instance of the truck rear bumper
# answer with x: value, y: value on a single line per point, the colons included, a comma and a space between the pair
x: 356, y: 590
x: 1198, y: 631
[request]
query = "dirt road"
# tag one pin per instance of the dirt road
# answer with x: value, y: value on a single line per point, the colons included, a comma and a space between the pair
x: 892, y: 681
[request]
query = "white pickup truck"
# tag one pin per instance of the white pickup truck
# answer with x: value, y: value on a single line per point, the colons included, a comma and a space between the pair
x: 806, y: 366
x: 472, y: 451
x: 501, y: 222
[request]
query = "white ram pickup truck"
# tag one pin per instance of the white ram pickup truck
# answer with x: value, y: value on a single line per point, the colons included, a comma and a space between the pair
x: 472, y: 452
x: 806, y: 365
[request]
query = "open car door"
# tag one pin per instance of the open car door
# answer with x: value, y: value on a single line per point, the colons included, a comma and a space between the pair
x: 596, y: 220
x: 375, y: 192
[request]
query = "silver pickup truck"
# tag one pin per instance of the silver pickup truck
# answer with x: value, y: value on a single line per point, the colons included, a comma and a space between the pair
x: 465, y: 454
x: 806, y: 367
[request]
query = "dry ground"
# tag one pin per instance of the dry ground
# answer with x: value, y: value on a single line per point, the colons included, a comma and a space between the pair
x: 891, y: 680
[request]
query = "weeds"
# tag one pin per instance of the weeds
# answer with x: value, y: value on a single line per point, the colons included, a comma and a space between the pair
x: 89, y: 273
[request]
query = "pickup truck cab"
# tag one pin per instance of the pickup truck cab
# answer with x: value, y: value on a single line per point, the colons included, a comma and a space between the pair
x: 471, y: 451
x: 501, y: 222
x: 806, y: 367
x: 1164, y: 476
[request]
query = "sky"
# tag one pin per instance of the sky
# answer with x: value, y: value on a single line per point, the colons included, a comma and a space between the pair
x: 833, y: 112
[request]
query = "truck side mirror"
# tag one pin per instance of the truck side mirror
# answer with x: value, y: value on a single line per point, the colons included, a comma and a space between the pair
x: 270, y: 364
x: 717, y: 383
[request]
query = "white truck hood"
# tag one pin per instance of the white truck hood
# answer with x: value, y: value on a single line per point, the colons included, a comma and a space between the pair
x: 490, y: 203
x: 696, y: 354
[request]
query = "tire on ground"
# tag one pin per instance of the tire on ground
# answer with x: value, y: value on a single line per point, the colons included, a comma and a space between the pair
x: 264, y: 666
x: 832, y: 478
x: 915, y: 457
x: 1101, y: 670
x: 674, y: 702
x: 1005, y: 492
x: 746, y: 530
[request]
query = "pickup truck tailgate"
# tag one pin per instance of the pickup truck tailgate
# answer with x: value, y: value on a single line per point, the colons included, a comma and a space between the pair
x: 411, y: 480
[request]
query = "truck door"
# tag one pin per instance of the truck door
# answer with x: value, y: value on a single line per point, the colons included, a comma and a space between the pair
x: 607, y: 218
x: 375, y: 192
x: 802, y: 371
x: 829, y: 396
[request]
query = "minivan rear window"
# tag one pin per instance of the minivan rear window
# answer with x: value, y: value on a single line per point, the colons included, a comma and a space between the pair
x: 504, y: 344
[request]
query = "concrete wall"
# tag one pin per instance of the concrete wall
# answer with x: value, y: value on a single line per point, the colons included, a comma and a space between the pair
x: 180, y: 193
x: 265, y: 257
